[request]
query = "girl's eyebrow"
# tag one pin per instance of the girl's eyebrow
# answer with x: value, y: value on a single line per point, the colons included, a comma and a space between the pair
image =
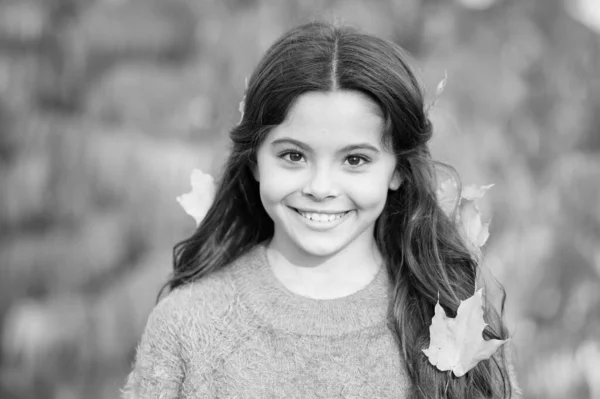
x: 348, y: 148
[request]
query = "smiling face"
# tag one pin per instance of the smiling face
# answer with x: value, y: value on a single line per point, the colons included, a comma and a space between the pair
x: 324, y: 175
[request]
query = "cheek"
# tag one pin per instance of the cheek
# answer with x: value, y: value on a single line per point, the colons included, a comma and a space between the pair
x: 273, y: 189
x: 370, y: 193
x: 372, y: 188
x: 275, y: 182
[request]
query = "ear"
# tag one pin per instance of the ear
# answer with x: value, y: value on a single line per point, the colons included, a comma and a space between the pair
x: 395, y: 181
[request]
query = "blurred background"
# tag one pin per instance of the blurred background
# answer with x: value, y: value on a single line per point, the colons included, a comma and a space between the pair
x: 107, y: 105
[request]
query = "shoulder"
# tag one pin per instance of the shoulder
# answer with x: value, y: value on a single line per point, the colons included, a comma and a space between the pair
x: 206, y: 302
x: 205, y: 298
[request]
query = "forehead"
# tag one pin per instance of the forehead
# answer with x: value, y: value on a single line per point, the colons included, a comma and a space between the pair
x: 344, y: 116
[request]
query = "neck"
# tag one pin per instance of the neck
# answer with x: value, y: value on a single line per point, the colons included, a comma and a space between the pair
x: 274, y: 304
x: 334, y: 276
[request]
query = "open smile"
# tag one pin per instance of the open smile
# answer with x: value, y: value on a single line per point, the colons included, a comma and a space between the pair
x: 325, y: 219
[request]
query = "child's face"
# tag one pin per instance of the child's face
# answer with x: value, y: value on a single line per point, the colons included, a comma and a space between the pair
x: 324, y: 175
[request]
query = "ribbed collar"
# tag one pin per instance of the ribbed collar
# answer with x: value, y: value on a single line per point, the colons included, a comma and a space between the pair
x: 271, y: 301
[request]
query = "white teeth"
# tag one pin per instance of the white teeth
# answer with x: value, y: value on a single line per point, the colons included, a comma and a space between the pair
x: 323, y: 217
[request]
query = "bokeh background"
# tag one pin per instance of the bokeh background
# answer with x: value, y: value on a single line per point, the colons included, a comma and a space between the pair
x: 107, y: 105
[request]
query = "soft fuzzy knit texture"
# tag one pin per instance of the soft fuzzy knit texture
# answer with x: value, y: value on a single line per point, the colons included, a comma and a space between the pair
x: 240, y: 333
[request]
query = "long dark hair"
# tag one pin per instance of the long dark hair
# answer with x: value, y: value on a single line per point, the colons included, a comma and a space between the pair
x: 422, y: 248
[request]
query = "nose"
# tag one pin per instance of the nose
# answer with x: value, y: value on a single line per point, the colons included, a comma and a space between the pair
x: 321, y: 184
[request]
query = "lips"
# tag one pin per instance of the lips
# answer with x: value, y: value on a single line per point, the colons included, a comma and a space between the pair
x: 320, y: 216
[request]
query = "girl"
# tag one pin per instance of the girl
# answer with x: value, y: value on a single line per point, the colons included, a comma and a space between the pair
x: 316, y: 270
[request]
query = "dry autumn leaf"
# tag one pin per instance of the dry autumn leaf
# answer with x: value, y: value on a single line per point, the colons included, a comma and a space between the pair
x: 473, y: 191
x: 457, y: 344
x: 197, y: 202
x: 439, y: 90
x: 474, y: 229
x: 447, y: 195
x: 468, y: 217
x: 242, y: 104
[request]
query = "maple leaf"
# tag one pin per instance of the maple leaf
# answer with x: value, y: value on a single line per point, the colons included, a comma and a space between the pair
x: 441, y: 85
x: 447, y: 193
x: 468, y: 217
x: 439, y: 90
x: 473, y: 228
x: 242, y: 104
x: 197, y: 202
x: 473, y: 191
x: 457, y: 344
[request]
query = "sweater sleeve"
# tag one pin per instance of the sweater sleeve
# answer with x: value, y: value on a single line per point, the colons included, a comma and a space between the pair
x: 158, y: 370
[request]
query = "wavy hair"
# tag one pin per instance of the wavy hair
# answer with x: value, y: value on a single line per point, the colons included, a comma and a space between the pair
x: 424, y: 253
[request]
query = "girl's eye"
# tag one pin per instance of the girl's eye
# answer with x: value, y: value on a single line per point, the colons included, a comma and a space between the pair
x: 292, y: 156
x: 356, y: 160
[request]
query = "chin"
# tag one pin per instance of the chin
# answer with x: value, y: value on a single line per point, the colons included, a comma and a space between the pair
x: 320, y: 248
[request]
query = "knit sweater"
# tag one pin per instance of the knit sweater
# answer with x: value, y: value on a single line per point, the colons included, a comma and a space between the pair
x: 240, y: 333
